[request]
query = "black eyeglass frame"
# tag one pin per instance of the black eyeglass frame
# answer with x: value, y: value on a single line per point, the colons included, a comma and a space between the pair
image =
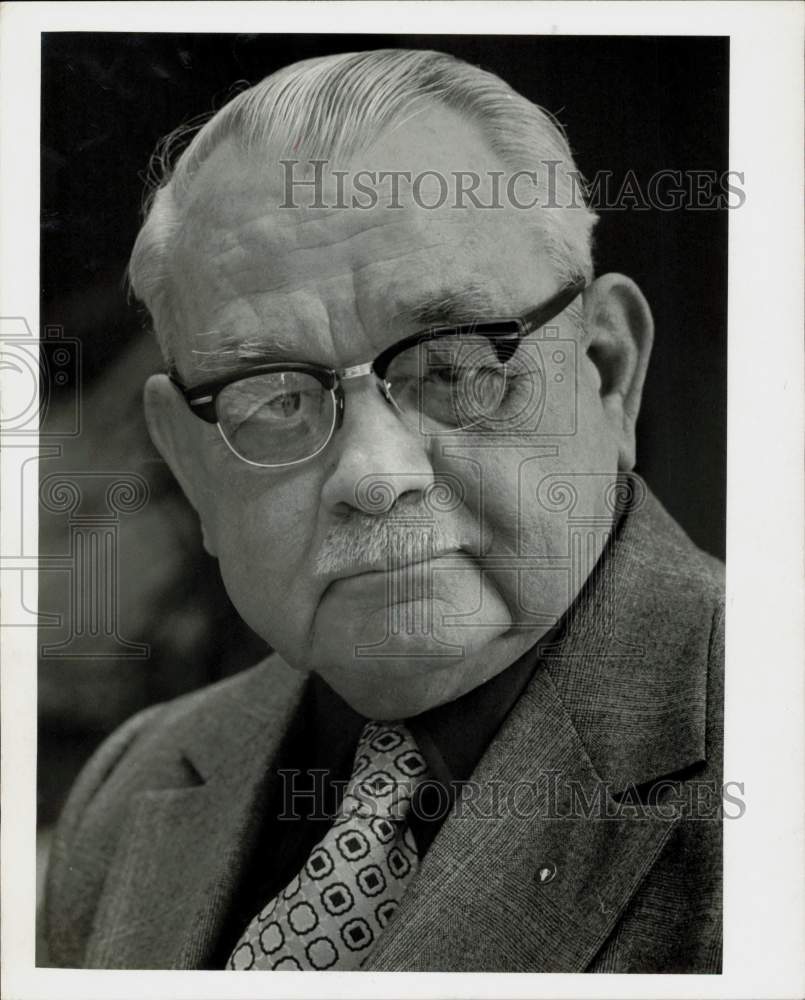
x: 202, y: 398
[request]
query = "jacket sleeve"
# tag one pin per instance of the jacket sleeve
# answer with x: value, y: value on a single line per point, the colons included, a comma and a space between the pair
x: 83, y: 845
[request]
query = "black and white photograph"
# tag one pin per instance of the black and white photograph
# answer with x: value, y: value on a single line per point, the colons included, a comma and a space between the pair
x: 380, y: 432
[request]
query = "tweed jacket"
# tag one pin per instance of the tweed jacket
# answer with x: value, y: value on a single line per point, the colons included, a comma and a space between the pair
x: 584, y: 847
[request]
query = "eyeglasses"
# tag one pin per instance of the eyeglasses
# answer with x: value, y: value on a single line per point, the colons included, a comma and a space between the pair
x: 440, y: 380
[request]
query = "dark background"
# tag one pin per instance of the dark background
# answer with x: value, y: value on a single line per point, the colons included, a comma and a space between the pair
x: 640, y: 104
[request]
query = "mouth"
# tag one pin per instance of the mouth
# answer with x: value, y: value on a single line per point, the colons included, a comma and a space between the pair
x: 390, y: 563
x: 392, y: 579
x: 389, y: 586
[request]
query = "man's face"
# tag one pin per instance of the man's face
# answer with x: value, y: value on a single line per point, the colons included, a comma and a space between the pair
x: 303, y: 549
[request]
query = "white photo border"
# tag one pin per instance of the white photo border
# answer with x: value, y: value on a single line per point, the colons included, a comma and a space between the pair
x: 764, y: 857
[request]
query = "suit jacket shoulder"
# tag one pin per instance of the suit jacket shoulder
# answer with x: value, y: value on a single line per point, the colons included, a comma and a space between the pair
x: 165, y: 746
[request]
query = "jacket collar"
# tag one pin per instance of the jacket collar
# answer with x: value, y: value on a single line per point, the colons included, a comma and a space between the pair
x: 519, y: 879
x: 631, y: 664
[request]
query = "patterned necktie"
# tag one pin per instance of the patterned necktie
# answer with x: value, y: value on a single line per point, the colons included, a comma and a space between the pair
x: 334, y: 910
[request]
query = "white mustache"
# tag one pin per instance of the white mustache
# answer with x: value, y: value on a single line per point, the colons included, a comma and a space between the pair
x: 366, y: 543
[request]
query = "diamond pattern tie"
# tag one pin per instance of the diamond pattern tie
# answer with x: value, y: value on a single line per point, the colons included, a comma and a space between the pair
x: 334, y: 910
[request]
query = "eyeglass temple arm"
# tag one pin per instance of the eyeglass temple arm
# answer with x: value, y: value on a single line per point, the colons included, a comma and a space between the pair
x: 202, y: 406
x: 553, y: 307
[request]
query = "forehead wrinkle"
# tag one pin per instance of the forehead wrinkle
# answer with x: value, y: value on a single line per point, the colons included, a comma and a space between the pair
x: 304, y: 224
x: 234, y: 248
x: 233, y: 225
x: 263, y: 254
x: 289, y: 276
x: 430, y: 280
x: 262, y: 239
x: 255, y: 243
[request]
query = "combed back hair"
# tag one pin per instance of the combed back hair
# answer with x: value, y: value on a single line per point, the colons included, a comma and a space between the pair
x: 340, y: 104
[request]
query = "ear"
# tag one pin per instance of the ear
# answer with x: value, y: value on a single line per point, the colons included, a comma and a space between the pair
x: 177, y: 439
x: 619, y: 332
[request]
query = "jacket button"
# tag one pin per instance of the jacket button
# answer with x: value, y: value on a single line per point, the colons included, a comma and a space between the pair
x: 546, y: 872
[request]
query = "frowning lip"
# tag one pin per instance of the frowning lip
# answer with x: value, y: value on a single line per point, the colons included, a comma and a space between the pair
x: 389, y: 564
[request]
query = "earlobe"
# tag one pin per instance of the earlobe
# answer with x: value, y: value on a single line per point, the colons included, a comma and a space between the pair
x: 172, y: 434
x: 619, y: 331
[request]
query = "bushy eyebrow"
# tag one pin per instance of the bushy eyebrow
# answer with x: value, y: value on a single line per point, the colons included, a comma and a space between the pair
x: 231, y: 351
x: 450, y: 308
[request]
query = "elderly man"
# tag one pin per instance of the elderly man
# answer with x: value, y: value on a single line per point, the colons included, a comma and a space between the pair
x: 404, y: 410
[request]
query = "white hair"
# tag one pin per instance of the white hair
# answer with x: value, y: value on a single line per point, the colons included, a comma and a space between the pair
x: 338, y: 103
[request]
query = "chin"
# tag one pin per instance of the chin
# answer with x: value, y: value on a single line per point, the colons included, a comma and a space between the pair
x: 409, y: 677
x: 409, y: 644
x: 386, y: 693
x: 388, y: 673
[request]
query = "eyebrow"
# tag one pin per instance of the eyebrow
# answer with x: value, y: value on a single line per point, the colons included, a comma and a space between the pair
x: 451, y: 308
x: 231, y: 351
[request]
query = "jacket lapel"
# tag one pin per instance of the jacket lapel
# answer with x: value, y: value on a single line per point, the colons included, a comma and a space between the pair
x: 514, y: 882
x: 533, y: 873
x: 177, y: 866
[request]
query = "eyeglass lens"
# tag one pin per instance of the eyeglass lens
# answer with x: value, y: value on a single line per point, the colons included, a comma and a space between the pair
x: 276, y: 419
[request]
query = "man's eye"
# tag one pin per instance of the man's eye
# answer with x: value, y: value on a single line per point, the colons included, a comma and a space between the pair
x: 278, y: 410
x: 287, y: 408
x: 457, y: 376
x: 286, y: 405
x: 448, y: 375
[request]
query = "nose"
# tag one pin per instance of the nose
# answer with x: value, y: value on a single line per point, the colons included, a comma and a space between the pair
x: 376, y: 458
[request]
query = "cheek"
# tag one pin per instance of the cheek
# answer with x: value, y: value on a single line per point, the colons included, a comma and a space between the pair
x: 263, y: 535
x: 544, y: 516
